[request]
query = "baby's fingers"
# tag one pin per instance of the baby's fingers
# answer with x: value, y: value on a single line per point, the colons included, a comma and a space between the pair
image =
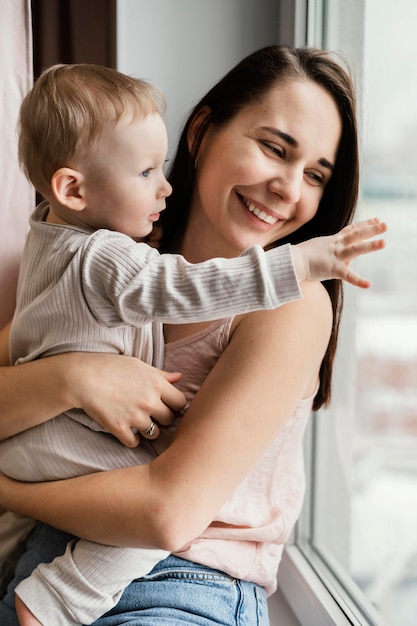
x: 359, y: 231
x: 349, y: 276
x: 358, y: 249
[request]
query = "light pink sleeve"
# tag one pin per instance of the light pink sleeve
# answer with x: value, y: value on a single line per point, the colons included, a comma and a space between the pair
x: 18, y: 197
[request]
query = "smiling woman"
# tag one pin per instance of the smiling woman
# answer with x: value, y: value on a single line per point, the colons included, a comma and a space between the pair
x: 251, y: 378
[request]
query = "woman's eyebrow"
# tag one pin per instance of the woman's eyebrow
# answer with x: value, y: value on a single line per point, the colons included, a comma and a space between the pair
x: 294, y: 143
x: 280, y: 133
x: 325, y: 163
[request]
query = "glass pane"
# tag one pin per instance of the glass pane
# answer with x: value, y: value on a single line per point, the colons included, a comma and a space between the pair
x: 384, y: 496
x: 365, y: 451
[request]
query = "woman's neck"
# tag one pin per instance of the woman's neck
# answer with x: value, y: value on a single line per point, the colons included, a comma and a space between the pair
x: 201, y: 243
x: 194, y: 249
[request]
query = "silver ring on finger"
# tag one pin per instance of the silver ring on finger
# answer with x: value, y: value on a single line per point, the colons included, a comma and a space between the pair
x: 150, y: 431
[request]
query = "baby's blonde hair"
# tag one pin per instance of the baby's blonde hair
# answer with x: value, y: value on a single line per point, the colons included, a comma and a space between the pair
x: 68, y: 109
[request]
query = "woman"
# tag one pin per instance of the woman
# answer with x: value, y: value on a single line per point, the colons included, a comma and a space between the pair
x: 268, y: 156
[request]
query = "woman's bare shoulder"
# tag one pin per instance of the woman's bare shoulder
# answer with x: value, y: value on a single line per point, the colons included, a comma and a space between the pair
x: 286, y: 344
x: 314, y: 308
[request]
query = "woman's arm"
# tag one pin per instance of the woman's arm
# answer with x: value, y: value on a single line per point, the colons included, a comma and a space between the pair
x: 117, y: 391
x: 31, y: 393
x: 4, y: 345
x: 272, y: 361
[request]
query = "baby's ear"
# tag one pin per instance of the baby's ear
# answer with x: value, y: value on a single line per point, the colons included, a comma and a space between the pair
x: 66, y: 184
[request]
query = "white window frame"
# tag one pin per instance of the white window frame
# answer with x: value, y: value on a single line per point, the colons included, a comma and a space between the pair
x: 311, y: 581
x: 313, y: 584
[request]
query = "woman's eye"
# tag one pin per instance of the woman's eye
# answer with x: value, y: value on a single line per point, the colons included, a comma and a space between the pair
x: 315, y: 178
x: 276, y: 150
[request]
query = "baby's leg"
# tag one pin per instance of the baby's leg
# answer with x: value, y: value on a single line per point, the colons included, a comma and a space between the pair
x: 14, y: 530
x: 90, y: 578
x: 42, y: 546
x: 84, y: 583
x: 64, y: 448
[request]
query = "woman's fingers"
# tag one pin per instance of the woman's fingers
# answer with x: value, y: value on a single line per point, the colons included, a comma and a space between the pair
x: 170, y: 395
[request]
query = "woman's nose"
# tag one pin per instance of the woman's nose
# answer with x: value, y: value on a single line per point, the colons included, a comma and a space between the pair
x: 288, y: 185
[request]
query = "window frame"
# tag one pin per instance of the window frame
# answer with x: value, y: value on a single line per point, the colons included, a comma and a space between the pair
x: 310, y: 581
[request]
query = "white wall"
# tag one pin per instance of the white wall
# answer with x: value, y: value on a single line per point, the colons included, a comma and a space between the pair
x: 185, y: 46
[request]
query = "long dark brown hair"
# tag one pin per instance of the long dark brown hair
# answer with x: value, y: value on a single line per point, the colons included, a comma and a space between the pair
x: 248, y: 81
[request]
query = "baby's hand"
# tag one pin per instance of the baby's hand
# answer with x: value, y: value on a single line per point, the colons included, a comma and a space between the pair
x: 328, y: 257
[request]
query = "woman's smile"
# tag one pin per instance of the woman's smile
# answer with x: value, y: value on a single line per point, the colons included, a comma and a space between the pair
x: 264, y: 217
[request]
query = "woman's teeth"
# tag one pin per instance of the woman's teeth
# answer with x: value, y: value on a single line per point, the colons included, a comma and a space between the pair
x: 269, y: 219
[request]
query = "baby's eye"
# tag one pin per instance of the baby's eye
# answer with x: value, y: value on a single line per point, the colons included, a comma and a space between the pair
x: 146, y: 173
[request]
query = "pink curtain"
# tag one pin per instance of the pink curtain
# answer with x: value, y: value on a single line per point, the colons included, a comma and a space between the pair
x: 18, y: 198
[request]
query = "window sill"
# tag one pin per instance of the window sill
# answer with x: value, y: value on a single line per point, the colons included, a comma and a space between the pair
x: 308, y: 597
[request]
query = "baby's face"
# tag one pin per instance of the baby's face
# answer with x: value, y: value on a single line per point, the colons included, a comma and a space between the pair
x: 125, y: 182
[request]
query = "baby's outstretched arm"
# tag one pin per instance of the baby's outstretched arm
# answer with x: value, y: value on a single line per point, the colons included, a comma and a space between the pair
x: 329, y: 257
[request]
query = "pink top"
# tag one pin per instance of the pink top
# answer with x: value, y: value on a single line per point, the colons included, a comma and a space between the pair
x: 247, y: 537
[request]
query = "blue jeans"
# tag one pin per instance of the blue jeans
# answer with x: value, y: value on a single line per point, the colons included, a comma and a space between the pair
x: 175, y: 593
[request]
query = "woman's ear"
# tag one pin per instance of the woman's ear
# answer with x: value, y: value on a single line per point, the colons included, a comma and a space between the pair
x: 66, y: 184
x: 195, y: 127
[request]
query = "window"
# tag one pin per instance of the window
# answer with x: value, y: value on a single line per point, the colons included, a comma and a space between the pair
x: 358, y: 529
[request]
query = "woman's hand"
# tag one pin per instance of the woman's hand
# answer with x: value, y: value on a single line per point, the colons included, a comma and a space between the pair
x: 121, y: 393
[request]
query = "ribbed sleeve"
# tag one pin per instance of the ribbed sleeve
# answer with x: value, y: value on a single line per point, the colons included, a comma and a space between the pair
x: 86, y: 582
x: 92, y: 291
x: 144, y: 285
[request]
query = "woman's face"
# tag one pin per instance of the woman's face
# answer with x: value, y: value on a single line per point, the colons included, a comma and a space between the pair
x: 262, y: 176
